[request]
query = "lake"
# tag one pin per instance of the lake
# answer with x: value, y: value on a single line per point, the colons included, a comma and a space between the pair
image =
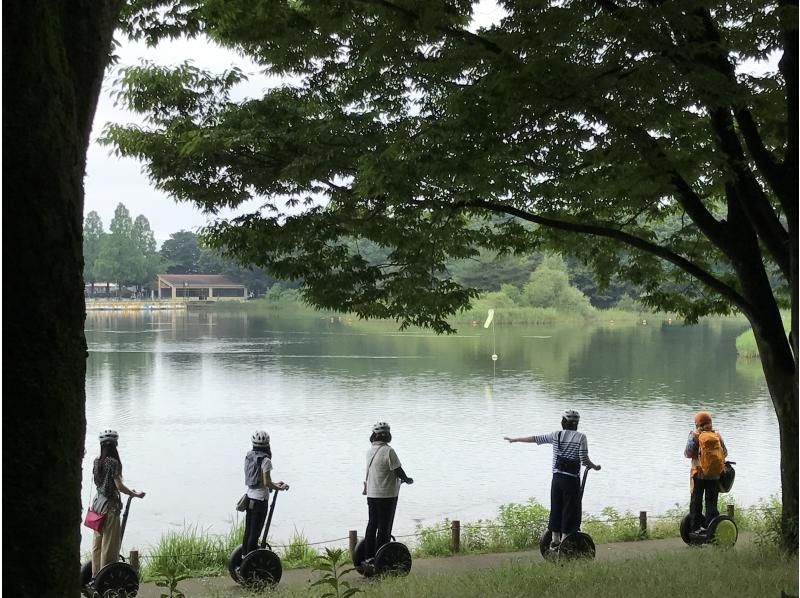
x: 186, y: 389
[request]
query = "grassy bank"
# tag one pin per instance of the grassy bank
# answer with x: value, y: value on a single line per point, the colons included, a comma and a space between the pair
x: 292, y: 307
x: 743, y: 572
x: 194, y: 552
x: 746, y: 341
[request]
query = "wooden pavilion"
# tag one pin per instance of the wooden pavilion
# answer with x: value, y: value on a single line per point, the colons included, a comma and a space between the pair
x: 210, y: 287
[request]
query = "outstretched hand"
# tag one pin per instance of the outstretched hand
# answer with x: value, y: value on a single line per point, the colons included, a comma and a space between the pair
x: 507, y: 438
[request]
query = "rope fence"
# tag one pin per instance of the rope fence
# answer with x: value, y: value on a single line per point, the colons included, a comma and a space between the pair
x: 455, y: 527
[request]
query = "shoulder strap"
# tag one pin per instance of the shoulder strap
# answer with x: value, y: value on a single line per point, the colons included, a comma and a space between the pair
x: 375, y: 454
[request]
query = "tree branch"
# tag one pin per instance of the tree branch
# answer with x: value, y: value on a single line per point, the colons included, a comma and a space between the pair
x: 468, y: 36
x: 759, y: 212
x: 652, y: 153
x: 788, y: 66
x: 687, y: 266
x: 762, y: 157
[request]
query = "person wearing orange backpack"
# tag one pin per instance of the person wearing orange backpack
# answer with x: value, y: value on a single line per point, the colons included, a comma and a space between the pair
x: 707, y: 451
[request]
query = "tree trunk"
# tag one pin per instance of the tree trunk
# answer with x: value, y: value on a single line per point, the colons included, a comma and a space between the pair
x: 53, y: 62
x: 780, y: 373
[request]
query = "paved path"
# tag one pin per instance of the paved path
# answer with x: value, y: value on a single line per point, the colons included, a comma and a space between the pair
x: 224, y: 586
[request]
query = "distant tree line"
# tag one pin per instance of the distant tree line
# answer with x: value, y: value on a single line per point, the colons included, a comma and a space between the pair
x: 127, y: 255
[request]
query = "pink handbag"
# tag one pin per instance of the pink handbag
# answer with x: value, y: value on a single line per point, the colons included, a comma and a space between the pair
x: 94, y: 520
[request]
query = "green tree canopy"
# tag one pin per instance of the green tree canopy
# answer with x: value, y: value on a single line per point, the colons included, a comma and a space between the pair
x: 548, y: 286
x: 92, y: 238
x: 150, y: 261
x: 181, y: 252
x: 400, y: 123
x: 126, y: 254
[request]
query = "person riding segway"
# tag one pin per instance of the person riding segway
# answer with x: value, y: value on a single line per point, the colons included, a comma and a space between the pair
x: 709, y: 474
x: 250, y: 563
x: 570, y: 450
x: 377, y: 553
x: 107, y: 572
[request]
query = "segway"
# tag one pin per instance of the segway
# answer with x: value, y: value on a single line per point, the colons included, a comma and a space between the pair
x: 574, y: 546
x: 393, y: 558
x: 115, y: 579
x: 720, y: 531
x: 261, y: 567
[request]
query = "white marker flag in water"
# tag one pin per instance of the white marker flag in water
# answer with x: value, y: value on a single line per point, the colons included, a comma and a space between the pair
x: 489, y: 319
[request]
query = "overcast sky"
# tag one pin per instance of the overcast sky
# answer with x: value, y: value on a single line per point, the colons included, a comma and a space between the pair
x: 111, y: 180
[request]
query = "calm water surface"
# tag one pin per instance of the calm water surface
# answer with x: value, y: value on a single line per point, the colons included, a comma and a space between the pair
x: 185, y: 391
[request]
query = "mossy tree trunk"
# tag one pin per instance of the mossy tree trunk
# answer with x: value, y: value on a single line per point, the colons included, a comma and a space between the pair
x: 54, y: 55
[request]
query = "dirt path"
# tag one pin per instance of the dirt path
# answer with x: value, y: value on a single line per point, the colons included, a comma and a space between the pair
x: 454, y: 565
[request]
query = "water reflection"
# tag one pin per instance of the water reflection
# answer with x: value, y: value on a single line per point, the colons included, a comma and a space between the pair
x: 185, y: 391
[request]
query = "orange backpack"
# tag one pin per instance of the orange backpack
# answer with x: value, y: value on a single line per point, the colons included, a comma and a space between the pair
x: 712, y: 459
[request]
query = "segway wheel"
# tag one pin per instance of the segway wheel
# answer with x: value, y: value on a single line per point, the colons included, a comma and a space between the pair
x: 260, y: 568
x: 86, y: 573
x: 393, y: 558
x: 686, y: 531
x: 577, y: 546
x: 118, y: 580
x: 358, y: 558
x: 723, y: 532
x: 544, y: 546
x: 234, y: 562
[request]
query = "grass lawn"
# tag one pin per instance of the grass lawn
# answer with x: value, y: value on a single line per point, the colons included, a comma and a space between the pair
x: 743, y: 572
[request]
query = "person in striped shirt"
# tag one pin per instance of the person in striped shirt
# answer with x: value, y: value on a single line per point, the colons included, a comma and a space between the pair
x: 570, y: 451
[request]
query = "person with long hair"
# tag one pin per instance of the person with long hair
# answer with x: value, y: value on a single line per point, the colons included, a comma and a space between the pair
x: 382, y: 487
x: 107, y: 477
x: 258, y: 479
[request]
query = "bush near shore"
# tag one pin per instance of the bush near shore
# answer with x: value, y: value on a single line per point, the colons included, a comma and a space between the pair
x: 195, y: 552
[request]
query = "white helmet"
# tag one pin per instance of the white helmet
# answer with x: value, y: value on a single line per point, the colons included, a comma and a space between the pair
x: 571, y: 415
x: 108, y: 435
x: 380, y: 427
x: 260, y: 438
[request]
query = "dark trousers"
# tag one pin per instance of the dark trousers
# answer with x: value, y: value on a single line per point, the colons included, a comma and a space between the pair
x: 253, y: 524
x: 379, y: 526
x: 565, y: 504
x: 711, y: 490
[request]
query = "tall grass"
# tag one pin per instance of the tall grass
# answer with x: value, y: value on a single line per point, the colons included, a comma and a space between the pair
x: 191, y: 550
x: 298, y: 552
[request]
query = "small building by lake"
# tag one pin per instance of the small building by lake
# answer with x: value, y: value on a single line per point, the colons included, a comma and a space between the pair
x: 203, y: 287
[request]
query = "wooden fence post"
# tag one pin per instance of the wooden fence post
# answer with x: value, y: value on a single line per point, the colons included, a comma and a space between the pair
x: 455, y: 543
x: 353, y: 538
x: 642, y: 523
x: 730, y: 511
x: 133, y: 559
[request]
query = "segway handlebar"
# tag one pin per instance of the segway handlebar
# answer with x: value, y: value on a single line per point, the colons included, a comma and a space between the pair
x: 125, y: 516
x: 269, y: 516
x: 585, y: 475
